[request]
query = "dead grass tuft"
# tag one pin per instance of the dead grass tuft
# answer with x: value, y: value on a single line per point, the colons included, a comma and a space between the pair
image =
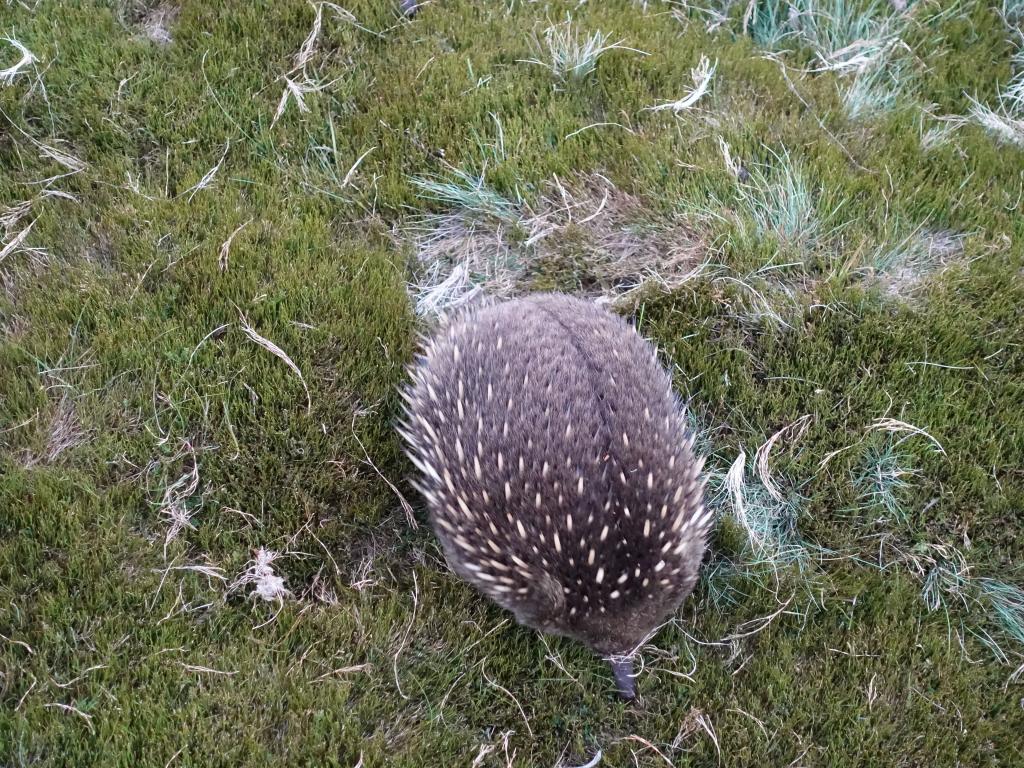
x: 903, y: 269
x: 627, y: 248
x: 586, y: 230
x: 259, y: 573
x: 65, y: 429
x: 27, y: 59
x: 279, y: 353
x: 157, y: 22
x: 177, y: 505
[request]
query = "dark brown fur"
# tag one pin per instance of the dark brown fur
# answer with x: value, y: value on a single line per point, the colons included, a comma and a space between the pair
x: 557, y: 468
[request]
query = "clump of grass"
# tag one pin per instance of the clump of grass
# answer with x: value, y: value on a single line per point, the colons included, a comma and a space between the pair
x: 470, y: 195
x: 949, y: 583
x: 1007, y: 604
x: 874, y: 90
x: 939, y: 132
x: 758, y: 509
x: 488, y: 243
x: 764, y: 506
x: 326, y: 172
x: 948, y: 577
x: 767, y: 521
x: 778, y: 200
x: 626, y: 246
x: 571, y: 55
x: 768, y: 23
x: 845, y: 36
x: 1013, y: 11
x: 468, y: 248
x: 883, y: 479
x: 1005, y: 121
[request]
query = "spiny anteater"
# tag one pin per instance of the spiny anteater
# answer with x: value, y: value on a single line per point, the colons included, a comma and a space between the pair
x: 558, y: 470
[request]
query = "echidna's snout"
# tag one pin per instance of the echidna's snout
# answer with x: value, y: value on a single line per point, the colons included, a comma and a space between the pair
x: 622, y: 669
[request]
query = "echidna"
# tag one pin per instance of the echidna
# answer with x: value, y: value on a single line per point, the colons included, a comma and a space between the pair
x: 559, y: 474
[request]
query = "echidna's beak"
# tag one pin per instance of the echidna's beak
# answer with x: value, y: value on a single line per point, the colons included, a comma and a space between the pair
x: 622, y: 669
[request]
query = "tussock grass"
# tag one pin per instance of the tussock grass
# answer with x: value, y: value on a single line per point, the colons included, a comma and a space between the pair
x: 1006, y: 602
x: 845, y: 36
x: 882, y: 480
x: 470, y: 196
x: 1005, y: 121
x: 768, y: 521
x: 572, y: 55
x: 874, y: 89
x: 951, y: 586
x: 939, y: 132
x: 759, y: 509
x: 778, y: 200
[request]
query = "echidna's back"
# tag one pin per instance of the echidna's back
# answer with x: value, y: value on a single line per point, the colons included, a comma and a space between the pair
x: 556, y: 465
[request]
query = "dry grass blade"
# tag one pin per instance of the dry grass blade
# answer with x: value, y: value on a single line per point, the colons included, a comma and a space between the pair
x: 205, y: 670
x: 410, y: 516
x: 65, y: 159
x: 342, y: 671
x: 225, y: 247
x: 702, y: 75
x: 761, y: 456
x: 355, y: 167
x: 15, y: 242
x: 279, y: 353
x: 405, y: 637
x: 308, y: 49
x: 21, y: 643
x: 507, y: 692
x: 27, y: 59
x: 734, y: 485
x: 592, y: 762
x: 74, y: 710
x: 895, y: 425
x: 649, y: 745
x: 211, y: 174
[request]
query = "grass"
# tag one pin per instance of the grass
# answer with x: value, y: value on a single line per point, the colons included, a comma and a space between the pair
x: 207, y: 304
x: 779, y: 201
x: 571, y: 55
x: 883, y: 481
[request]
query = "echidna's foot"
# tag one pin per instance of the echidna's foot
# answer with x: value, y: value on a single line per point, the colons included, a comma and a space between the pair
x: 622, y: 669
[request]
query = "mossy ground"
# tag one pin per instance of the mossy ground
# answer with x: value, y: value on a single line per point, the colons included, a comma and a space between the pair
x: 115, y: 383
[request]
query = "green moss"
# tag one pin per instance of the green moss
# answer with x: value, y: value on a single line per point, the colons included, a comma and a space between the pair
x: 119, y: 320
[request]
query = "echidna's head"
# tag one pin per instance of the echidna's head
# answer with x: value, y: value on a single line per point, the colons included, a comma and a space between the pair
x: 598, y: 615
